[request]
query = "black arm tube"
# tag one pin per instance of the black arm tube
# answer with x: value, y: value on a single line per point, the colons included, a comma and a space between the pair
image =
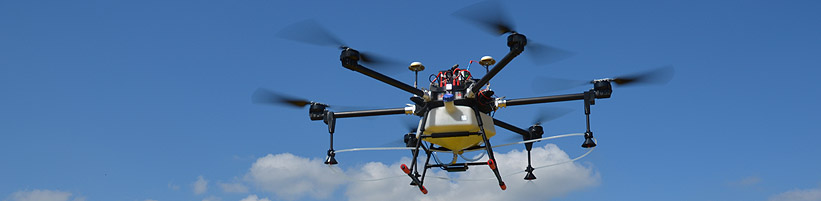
x: 388, y: 80
x: 545, y: 99
x: 365, y: 113
x: 498, y: 67
x: 509, y: 127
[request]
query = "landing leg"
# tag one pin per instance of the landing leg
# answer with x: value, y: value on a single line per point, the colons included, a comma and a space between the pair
x: 409, y: 171
x: 529, y: 169
x: 492, y: 161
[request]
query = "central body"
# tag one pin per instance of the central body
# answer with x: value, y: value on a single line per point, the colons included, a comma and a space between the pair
x: 453, y: 121
x: 456, y: 129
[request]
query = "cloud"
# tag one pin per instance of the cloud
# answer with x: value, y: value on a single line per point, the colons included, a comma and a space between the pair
x: 291, y: 177
x: 233, y: 187
x: 200, y: 186
x: 254, y: 198
x: 284, y: 173
x: 42, y: 195
x: 799, y: 195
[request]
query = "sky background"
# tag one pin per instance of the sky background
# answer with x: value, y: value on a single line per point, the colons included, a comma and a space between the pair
x: 151, y: 100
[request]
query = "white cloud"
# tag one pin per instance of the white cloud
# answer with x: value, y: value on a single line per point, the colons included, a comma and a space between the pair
x: 200, y: 186
x: 254, y: 198
x: 233, y: 187
x: 291, y: 177
x: 799, y: 195
x: 41, y: 195
x: 479, y: 183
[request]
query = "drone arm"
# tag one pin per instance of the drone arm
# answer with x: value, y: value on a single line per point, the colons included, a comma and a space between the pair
x: 544, y: 99
x: 516, y: 42
x: 509, y: 127
x: 388, y: 80
x: 367, y: 113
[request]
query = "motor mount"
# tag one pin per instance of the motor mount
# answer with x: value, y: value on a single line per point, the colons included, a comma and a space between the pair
x: 516, y: 42
x: 602, y: 88
x: 317, y: 111
x: 349, y: 57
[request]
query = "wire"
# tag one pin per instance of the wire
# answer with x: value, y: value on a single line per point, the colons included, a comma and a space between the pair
x: 590, y: 150
x: 473, y: 160
x: 374, y: 149
x: 522, y: 171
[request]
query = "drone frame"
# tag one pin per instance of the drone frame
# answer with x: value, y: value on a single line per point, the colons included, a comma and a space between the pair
x: 424, y: 103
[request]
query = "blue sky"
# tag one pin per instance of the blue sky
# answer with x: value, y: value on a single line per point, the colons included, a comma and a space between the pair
x: 127, y: 100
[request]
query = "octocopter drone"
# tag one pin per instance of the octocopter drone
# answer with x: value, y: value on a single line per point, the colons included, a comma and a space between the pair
x: 456, y: 107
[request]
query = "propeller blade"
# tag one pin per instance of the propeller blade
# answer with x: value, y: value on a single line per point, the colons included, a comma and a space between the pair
x: 381, y: 62
x: 310, y: 32
x: 545, y: 54
x: 549, y: 114
x: 660, y: 75
x: 410, y: 124
x: 265, y: 96
x: 548, y: 84
x: 655, y: 76
x: 488, y: 15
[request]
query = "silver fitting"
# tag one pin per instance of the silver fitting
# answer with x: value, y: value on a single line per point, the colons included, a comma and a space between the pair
x: 410, y: 109
x: 501, y: 103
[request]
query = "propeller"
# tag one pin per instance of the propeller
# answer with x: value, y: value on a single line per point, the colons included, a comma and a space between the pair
x: 656, y: 76
x: 311, y: 32
x: 410, y: 124
x: 660, y: 75
x: 490, y: 16
x: 265, y: 96
x: 549, y: 114
x: 269, y: 97
x: 544, y: 115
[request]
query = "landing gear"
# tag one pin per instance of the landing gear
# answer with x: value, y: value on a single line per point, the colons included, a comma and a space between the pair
x: 534, y: 132
x: 492, y: 161
x: 412, y: 170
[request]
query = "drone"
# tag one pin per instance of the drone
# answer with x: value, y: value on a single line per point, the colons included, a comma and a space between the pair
x: 456, y: 109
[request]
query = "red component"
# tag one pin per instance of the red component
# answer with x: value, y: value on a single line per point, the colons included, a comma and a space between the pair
x: 503, y: 186
x: 423, y: 189
x: 405, y: 168
x: 492, y: 164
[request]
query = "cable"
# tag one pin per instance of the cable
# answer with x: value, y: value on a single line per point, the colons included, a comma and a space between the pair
x: 522, y: 171
x: 590, y: 150
x: 473, y: 160
x: 375, y: 149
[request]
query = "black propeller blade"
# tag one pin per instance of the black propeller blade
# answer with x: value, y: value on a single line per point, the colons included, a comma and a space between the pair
x: 490, y: 16
x: 656, y: 76
x: 265, y: 96
x: 549, y: 114
x: 311, y: 32
x: 545, y: 114
x: 410, y: 124
x: 268, y: 97
x: 660, y: 75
